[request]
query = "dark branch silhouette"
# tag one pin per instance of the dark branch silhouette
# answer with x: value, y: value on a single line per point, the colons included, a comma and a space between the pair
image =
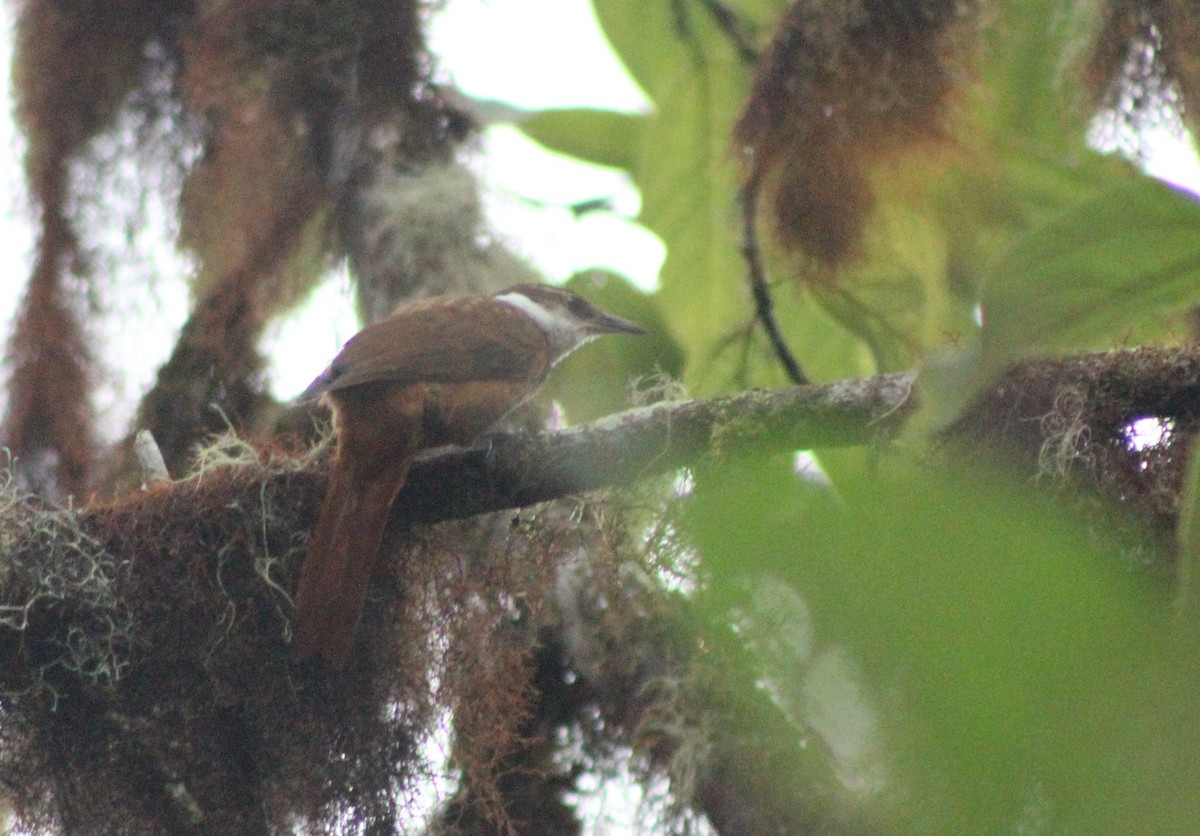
x: 764, y: 308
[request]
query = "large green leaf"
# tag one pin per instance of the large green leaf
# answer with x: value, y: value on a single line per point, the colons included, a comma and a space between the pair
x: 687, y: 172
x: 650, y: 36
x: 1027, y: 97
x: 599, y: 136
x: 1118, y: 258
x: 1187, y: 595
x: 898, y: 300
x: 685, y: 169
x: 1017, y: 681
x: 1071, y: 249
x: 933, y: 241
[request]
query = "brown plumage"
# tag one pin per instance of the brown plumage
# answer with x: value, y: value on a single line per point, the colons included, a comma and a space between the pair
x: 437, y: 371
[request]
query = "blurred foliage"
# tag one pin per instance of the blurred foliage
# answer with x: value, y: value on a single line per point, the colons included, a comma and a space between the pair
x: 1113, y: 259
x: 1009, y: 677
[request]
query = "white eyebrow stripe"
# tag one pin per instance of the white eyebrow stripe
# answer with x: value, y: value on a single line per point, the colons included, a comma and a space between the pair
x: 551, y: 320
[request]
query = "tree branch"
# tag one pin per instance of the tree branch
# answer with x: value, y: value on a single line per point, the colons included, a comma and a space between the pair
x: 518, y: 469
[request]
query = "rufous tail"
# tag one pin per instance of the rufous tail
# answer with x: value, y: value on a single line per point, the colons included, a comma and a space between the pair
x: 341, y: 557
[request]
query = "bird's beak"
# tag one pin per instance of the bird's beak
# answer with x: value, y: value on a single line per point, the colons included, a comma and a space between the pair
x: 610, y: 324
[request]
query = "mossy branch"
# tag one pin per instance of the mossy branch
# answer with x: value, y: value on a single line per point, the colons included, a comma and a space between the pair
x: 517, y: 469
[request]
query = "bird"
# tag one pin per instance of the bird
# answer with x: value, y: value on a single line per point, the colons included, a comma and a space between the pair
x: 438, y: 371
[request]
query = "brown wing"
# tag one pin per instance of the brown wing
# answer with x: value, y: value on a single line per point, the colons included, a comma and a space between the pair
x: 423, y: 342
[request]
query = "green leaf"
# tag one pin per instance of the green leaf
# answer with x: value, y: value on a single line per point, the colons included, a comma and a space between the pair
x: 686, y: 169
x: 648, y: 36
x: 1029, y: 99
x: 1010, y: 678
x: 1120, y: 257
x: 599, y: 136
x: 684, y: 166
x: 1187, y: 594
x: 898, y: 300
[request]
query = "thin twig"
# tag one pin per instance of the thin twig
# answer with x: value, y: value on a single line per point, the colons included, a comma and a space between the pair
x: 763, y: 307
x: 726, y: 19
x: 731, y: 24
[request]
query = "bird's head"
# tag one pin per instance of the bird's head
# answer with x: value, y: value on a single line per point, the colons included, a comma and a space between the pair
x: 568, y: 320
